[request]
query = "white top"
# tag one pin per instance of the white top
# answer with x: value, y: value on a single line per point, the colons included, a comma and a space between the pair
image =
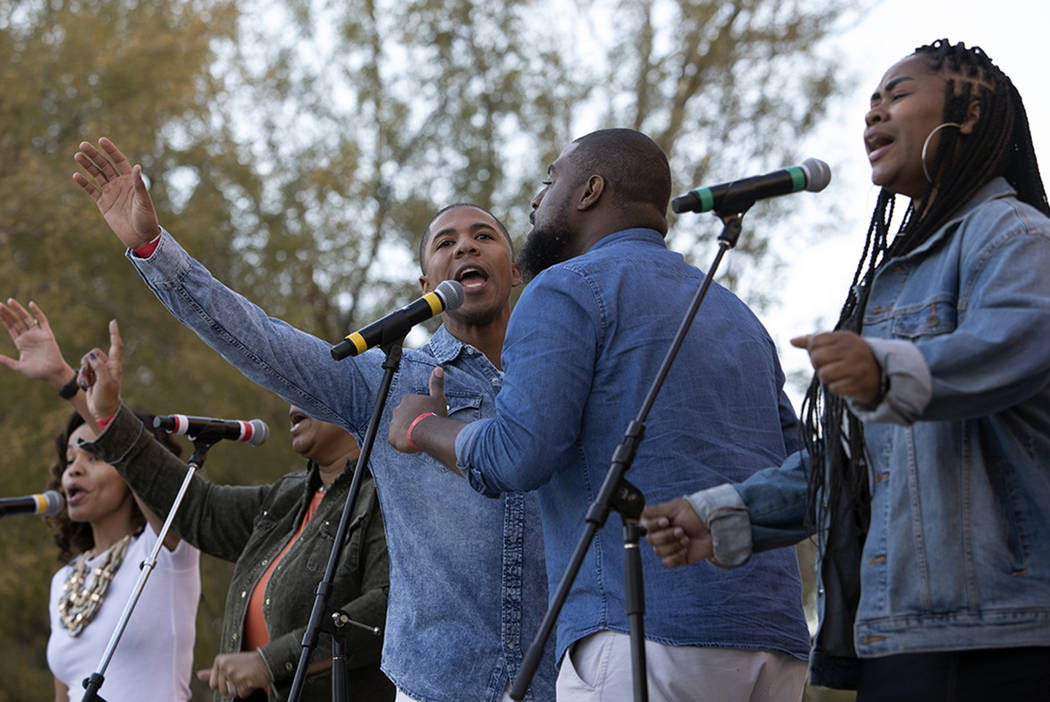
x: 154, y: 658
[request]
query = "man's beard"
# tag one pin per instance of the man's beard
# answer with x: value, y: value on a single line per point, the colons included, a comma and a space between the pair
x: 543, y: 249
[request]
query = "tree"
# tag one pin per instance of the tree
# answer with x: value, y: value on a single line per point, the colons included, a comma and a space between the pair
x: 71, y: 70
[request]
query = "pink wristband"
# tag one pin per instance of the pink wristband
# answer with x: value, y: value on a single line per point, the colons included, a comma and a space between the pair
x: 417, y: 420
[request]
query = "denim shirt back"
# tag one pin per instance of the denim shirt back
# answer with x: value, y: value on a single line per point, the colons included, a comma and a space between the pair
x: 956, y: 553
x: 583, y: 346
x: 467, y: 577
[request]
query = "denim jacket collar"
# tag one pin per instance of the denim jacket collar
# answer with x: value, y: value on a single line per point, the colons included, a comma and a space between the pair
x: 993, y: 189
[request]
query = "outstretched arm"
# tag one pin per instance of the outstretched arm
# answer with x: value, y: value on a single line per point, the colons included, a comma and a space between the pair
x: 119, y: 191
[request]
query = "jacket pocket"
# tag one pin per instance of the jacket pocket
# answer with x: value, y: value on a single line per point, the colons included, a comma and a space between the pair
x: 938, y: 316
x: 322, y: 542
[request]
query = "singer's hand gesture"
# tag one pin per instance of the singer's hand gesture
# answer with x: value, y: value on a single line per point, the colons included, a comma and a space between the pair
x: 100, y: 376
x: 119, y: 191
x: 844, y: 363
x: 39, y: 357
x: 421, y: 423
x: 676, y: 533
x: 414, y: 406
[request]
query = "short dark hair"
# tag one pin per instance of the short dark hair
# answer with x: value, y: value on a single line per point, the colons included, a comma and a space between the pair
x: 631, y: 162
x: 76, y: 537
x: 426, y: 232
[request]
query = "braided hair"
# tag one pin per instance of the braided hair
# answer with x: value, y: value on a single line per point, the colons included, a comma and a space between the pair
x: 999, y: 146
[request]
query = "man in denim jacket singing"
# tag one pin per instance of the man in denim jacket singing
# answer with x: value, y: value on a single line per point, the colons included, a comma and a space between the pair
x: 467, y: 586
x: 583, y: 346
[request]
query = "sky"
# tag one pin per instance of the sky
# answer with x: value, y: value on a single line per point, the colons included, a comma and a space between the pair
x: 819, y: 266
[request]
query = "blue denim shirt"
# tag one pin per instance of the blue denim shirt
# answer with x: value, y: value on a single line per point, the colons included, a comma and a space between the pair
x: 958, y: 552
x: 583, y: 346
x: 467, y: 585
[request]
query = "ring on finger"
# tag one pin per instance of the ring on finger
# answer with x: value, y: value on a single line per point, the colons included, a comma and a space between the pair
x: 231, y: 689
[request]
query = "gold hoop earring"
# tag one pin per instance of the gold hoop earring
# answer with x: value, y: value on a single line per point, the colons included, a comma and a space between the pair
x: 926, y: 143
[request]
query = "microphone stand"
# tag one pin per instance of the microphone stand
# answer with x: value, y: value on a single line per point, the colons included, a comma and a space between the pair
x: 618, y: 494
x: 340, y: 687
x: 201, y: 443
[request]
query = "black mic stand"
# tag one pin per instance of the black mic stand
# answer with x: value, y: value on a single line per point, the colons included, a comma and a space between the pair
x: 340, y: 687
x: 201, y: 443
x: 618, y: 494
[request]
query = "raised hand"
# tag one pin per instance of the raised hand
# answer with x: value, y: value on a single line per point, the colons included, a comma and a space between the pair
x: 39, y: 356
x: 119, y: 191
x: 100, y: 376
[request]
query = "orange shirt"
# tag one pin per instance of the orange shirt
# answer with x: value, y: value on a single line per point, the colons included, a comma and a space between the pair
x: 255, y: 632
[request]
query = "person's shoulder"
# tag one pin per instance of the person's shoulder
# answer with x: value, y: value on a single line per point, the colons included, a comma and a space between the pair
x: 1000, y: 220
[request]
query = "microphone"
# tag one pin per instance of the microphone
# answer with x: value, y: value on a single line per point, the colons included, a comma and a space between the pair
x: 447, y: 296
x: 738, y: 195
x: 254, y: 432
x: 48, y: 504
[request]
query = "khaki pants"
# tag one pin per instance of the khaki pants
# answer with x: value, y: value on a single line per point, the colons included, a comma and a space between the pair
x: 597, y: 668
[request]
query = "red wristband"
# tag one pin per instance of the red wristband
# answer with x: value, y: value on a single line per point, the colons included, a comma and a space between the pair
x: 147, y: 249
x: 417, y: 420
x: 103, y: 422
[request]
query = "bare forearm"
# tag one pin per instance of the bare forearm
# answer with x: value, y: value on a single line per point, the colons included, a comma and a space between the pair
x: 436, y: 436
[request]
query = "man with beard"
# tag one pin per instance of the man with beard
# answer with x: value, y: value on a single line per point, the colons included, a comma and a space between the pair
x: 583, y: 346
x: 467, y: 586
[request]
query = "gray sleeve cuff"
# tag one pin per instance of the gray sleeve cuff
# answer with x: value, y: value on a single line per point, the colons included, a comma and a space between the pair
x: 725, y: 514
x: 910, y: 384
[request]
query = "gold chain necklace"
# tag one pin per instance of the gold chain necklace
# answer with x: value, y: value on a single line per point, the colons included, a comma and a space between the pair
x: 80, y: 600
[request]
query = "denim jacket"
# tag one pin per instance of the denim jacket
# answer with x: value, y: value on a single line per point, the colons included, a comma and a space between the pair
x: 467, y: 578
x: 249, y: 525
x: 956, y: 556
x: 583, y: 346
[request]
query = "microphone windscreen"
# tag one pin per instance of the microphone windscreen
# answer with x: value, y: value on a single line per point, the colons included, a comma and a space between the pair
x: 54, y: 503
x: 451, y: 293
x: 260, y: 432
x: 818, y: 174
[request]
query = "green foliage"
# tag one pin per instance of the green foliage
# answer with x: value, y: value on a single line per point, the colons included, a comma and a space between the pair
x: 72, y: 71
x: 300, y: 147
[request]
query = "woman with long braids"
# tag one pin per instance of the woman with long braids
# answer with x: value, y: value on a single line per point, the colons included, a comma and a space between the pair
x: 925, y: 476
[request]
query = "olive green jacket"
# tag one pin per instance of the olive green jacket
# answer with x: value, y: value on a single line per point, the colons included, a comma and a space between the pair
x: 249, y: 525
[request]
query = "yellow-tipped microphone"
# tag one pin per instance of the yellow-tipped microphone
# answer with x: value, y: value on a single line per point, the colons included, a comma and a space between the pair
x: 393, y: 327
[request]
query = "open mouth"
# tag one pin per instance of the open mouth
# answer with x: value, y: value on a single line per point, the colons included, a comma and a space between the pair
x: 472, y: 278
x: 74, y: 494
x: 295, y: 418
x: 876, y: 145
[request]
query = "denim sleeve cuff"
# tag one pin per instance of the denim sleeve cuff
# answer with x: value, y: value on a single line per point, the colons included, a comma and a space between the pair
x: 725, y: 514
x: 165, y: 264
x: 464, y: 441
x: 910, y: 384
